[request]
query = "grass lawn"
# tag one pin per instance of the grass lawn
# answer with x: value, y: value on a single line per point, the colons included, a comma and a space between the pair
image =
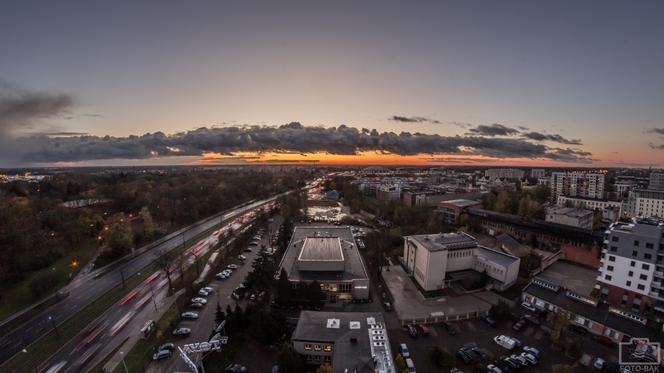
x: 18, y: 296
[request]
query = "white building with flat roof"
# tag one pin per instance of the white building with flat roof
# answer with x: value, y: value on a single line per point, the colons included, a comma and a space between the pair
x: 572, y: 216
x: 432, y: 259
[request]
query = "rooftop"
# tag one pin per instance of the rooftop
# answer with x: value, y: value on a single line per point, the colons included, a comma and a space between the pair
x: 445, y: 241
x: 461, y: 202
x: 572, y: 212
x: 323, y: 253
x: 358, y: 338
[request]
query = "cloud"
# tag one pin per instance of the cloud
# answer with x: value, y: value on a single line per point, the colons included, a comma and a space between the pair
x: 538, y: 136
x: 659, y: 131
x: 493, y: 130
x: 657, y: 146
x: 21, y: 108
x: 403, y: 119
x: 288, y: 138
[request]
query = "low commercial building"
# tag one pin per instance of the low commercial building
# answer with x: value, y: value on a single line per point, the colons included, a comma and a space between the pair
x: 572, y: 216
x: 599, y: 318
x: 434, y: 259
x: 328, y: 255
x: 451, y: 210
x: 348, y: 341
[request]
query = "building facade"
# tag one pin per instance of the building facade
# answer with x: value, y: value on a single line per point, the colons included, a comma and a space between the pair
x: 632, y: 265
x: 645, y: 203
x: 577, y: 184
x: 656, y: 181
x: 433, y: 258
x: 572, y: 216
x: 504, y: 173
x: 537, y: 173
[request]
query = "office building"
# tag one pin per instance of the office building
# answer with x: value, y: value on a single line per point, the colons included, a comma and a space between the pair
x: 437, y: 260
x: 328, y: 255
x: 348, y: 341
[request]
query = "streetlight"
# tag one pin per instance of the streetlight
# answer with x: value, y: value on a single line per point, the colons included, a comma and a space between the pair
x: 25, y: 352
x: 123, y: 362
x: 55, y: 327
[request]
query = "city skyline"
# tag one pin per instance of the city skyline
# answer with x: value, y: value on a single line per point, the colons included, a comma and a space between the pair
x: 431, y: 83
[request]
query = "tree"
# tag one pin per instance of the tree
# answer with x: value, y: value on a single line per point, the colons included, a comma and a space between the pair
x: 148, y: 224
x: 289, y: 360
x: 400, y: 363
x: 501, y: 310
x: 325, y: 368
x: 560, y: 323
x: 120, y: 236
x: 219, y: 315
x: 164, y: 262
x: 562, y: 368
x: 441, y: 358
x: 284, y: 288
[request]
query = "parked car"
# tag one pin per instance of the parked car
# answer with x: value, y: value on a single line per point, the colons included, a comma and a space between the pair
x: 162, y: 354
x: 505, y: 342
x: 532, y: 350
x: 423, y: 329
x: 247, y: 250
x: 520, y: 359
x: 412, y: 331
x: 242, y: 257
x: 403, y: 350
x: 208, y: 289
x: 182, y: 331
x: 203, y: 293
x: 189, y: 315
x: 532, y: 319
x: 585, y: 360
x: 235, y: 368
x: 387, y: 306
x: 199, y: 300
x: 167, y: 346
x: 514, y: 364
x: 196, y: 305
x: 532, y: 360
x: 518, y: 325
x: 464, y: 356
x: 489, y: 321
x: 502, y: 366
x: 452, y: 329
x: 232, y: 266
x: 599, y: 363
x: 493, y: 369
x: 221, y: 276
x: 480, y: 352
x: 529, y: 307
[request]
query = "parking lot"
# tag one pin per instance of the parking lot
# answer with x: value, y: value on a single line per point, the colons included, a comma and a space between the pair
x: 478, y: 333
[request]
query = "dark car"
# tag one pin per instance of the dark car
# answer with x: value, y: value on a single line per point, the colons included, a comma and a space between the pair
x: 464, y: 356
x: 235, y: 368
x: 518, y: 325
x: 532, y: 319
x: 480, y: 352
x: 452, y: 329
x: 167, y: 346
x: 489, y: 321
x: 503, y: 366
x: 578, y: 329
x: 512, y: 363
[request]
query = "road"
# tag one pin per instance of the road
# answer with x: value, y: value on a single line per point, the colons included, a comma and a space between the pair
x: 200, y: 329
x: 85, y: 289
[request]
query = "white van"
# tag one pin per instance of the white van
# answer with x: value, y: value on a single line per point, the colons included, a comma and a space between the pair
x: 410, y: 366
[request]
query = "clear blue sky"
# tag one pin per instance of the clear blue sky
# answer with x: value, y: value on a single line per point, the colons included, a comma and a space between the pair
x: 588, y: 70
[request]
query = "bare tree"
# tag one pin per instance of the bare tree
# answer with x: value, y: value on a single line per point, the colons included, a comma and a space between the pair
x: 165, y: 261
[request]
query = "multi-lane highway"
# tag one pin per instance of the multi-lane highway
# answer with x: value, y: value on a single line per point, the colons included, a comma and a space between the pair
x: 87, y: 288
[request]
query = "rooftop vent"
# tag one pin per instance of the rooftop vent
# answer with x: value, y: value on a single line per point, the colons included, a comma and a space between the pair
x: 354, y: 324
x: 333, y: 323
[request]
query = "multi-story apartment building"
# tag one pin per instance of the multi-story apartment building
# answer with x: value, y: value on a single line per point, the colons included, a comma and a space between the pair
x: 631, y: 270
x: 645, y: 203
x: 504, y: 173
x: 577, y: 184
x: 587, y: 203
x: 537, y: 173
x: 656, y: 181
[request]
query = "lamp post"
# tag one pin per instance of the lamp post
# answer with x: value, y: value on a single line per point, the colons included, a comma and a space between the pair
x: 55, y: 327
x: 123, y: 362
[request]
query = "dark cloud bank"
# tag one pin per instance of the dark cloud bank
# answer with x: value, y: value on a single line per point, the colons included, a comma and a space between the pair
x: 292, y: 137
x: 20, y: 108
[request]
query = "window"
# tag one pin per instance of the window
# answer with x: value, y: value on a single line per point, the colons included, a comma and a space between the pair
x: 614, y: 249
x: 608, y: 277
x: 345, y: 288
x: 628, y: 283
x: 643, y: 277
x: 647, y: 256
x: 635, y: 253
x: 632, y: 263
x: 636, y: 242
x: 612, y: 258
x: 649, y: 245
x: 640, y: 287
x: 610, y: 268
x: 615, y: 238
x: 645, y: 266
x: 327, y: 348
x: 630, y: 273
x: 307, y: 346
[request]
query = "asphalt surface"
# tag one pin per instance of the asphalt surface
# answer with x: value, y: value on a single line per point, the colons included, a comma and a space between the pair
x: 201, y: 328
x: 85, y: 289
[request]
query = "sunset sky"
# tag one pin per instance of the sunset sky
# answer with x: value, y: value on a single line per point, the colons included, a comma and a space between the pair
x: 494, y: 82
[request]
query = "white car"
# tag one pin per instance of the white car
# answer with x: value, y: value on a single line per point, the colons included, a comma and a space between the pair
x: 182, y: 331
x: 189, y: 315
x: 532, y: 360
x: 599, y: 363
x: 232, y: 266
x: 529, y: 307
x: 208, y: 289
x: 199, y: 300
x: 493, y: 368
x: 203, y: 293
x: 505, y: 342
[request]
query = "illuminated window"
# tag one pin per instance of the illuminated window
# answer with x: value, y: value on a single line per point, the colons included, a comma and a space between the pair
x: 317, y: 347
x: 327, y: 348
x: 307, y: 346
